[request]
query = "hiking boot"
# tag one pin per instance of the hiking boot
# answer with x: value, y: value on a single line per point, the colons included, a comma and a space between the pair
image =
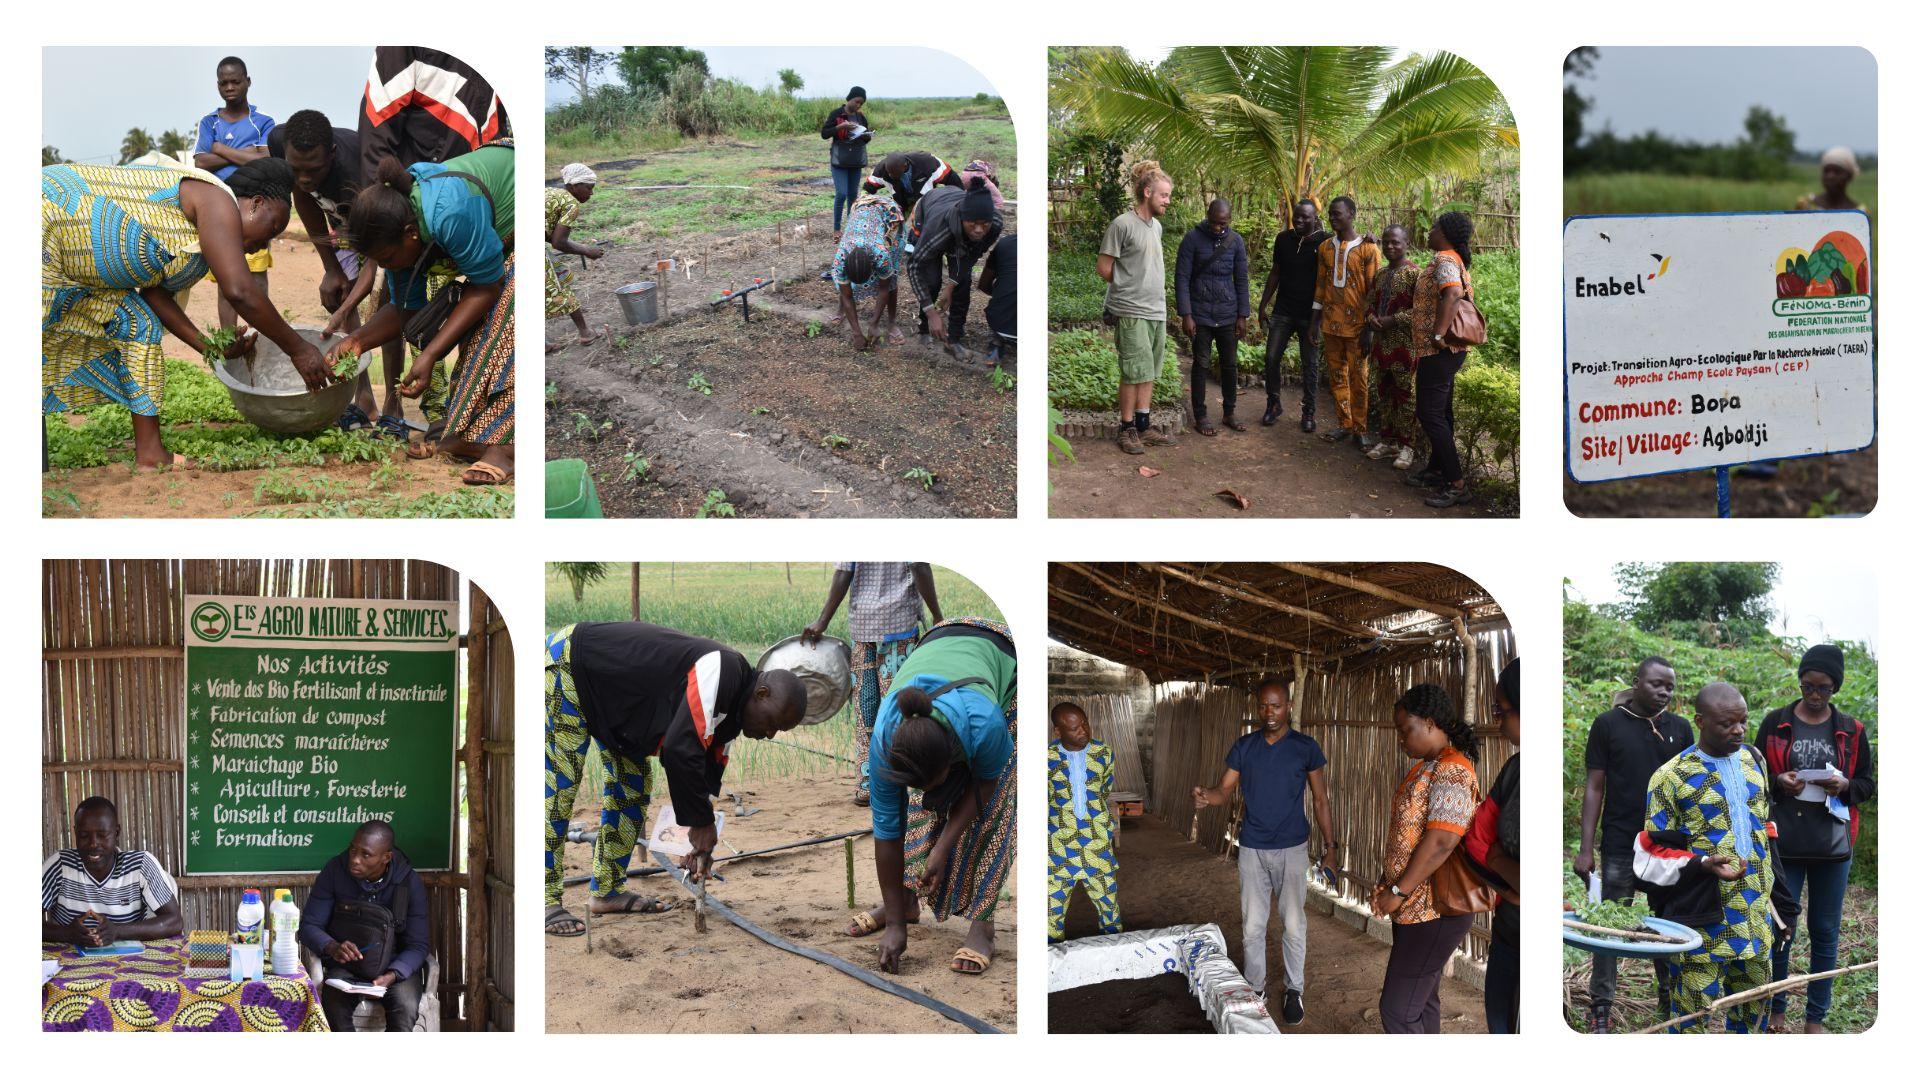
x: 1449, y: 496
x: 1154, y: 438
x: 1306, y: 423
x: 1130, y: 441
x: 1404, y: 459
x: 1292, y: 1009
x: 1272, y: 414
x: 1424, y: 478
x: 1600, y: 1020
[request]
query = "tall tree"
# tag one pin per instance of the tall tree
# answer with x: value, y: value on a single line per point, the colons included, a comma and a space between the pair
x: 136, y: 143
x: 1310, y: 122
x: 173, y: 141
x: 576, y: 65
x: 579, y: 575
x: 1660, y: 594
x: 790, y: 81
x: 648, y: 68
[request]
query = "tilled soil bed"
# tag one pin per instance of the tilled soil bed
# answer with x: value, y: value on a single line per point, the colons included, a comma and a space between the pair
x: 780, y: 385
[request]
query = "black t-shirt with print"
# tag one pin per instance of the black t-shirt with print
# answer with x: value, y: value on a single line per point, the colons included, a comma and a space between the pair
x: 1629, y: 749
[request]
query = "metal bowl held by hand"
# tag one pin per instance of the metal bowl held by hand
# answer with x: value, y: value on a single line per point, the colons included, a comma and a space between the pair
x: 825, y: 668
x: 269, y: 393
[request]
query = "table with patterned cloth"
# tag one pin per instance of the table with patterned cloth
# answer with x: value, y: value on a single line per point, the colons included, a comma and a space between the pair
x: 152, y: 991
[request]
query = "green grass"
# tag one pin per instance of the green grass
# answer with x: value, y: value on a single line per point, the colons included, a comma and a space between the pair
x: 759, y: 161
x: 1658, y: 193
x: 749, y: 607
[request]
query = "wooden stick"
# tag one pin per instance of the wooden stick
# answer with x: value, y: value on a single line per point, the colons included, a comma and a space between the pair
x: 110, y: 765
x: 479, y: 900
x: 1636, y: 935
x: 1368, y: 587
x: 1116, y: 589
x: 114, y: 652
x: 1250, y: 596
x: 1745, y: 996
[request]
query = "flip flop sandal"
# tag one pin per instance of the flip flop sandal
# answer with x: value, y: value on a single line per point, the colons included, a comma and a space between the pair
x: 869, y: 925
x: 966, y: 955
x: 354, y: 418
x: 558, y: 916
x: 635, y: 904
x: 392, y: 427
x: 483, y: 474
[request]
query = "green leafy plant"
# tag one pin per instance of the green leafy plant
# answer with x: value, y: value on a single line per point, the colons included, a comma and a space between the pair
x: 814, y: 328
x: 1002, y: 379
x: 716, y: 505
x: 922, y: 475
x: 1083, y: 372
x: 699, y: 383
x: 638, y: 467
x: 219, y: 340
x: 761, y: 410
x: 345, y: 362
x: 836, y: 442
x: 385, y: 476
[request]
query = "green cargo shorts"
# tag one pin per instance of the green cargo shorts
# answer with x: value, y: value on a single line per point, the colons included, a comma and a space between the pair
x: 1142, y: 345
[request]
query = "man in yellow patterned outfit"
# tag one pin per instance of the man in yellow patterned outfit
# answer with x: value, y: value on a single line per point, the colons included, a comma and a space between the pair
x: 1079, y: 825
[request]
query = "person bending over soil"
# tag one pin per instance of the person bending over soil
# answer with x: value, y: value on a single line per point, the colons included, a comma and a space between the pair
x: 563, y: 213
x: 867, y: 264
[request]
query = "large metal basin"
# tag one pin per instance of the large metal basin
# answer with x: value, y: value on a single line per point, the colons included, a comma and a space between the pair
x: 271, y: 396
x: 825, y: 668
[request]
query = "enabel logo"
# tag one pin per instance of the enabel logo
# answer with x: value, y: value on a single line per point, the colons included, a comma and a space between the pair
x: 1613, y: 286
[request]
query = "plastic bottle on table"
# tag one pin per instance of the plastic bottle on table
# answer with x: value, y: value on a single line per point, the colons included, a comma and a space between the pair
x: 286, y: 931
x: 252, y: 916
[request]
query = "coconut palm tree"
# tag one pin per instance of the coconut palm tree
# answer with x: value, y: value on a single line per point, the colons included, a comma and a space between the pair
x: 579, y: 575
x: 136, y: 144
x: 1311, y: 121
x: 173, y: 141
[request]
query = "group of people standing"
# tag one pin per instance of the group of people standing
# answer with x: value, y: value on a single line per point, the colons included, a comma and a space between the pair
x: 911, y: 214
x: 422, y: 189
x: 1279, y: 774
x: 934, y: 706
x: 1359, y: 303
x: 1732, y: 839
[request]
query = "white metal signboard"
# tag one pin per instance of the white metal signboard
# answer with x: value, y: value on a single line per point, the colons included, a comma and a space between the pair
x: 1698, y: 341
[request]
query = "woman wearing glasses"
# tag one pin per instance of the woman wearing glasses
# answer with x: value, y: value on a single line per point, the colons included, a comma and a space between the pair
x: 1820, y: 762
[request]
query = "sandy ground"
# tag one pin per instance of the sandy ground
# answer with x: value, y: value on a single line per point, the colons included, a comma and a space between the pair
x: 1167, y: 881
x: 653, y: 973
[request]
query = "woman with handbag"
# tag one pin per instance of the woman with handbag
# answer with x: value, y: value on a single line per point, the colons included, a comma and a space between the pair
x: 1444, y: 322
x: 1818, y: 819
x: 1431, y: 811
x: 945, y: 731
x: 444, y: 233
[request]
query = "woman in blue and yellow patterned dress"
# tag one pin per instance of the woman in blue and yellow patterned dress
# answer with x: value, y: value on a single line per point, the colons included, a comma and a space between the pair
x: 117, y: 244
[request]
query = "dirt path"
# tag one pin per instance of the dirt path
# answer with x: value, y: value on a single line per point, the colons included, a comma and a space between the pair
x: 655, y: 974
x: 1282, y: 472
x: 1809, y: 487
x: 1167, y: 881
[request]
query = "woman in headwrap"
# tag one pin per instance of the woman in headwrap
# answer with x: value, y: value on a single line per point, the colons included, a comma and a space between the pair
x: 846, y: 130
x: 1838, y: 168
x: 943, y: 789
x: 1818, y: 819
x: 867, y: 264
x: 118, y: 243
x: 563, y: 213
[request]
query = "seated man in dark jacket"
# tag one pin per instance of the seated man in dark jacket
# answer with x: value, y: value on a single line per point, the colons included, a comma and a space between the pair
x: 1210, y: 295
x: 370, y: 871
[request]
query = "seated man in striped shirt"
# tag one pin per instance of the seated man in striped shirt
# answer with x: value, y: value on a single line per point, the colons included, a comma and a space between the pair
x: 93, y: 894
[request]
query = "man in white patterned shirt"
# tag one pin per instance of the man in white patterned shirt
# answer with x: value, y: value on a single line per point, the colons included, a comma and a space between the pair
x: 883, y: 619
x: 94, y: 894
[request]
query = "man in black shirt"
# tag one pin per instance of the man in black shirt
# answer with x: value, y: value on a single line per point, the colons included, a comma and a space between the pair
x: 1624, y: 747
x: 1296, y: 262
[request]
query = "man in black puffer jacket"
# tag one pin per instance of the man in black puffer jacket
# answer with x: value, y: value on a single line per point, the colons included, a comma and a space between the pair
x: 1210, y: 295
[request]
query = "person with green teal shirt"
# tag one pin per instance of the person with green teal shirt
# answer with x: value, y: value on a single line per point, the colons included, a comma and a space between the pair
x: 945, y: 731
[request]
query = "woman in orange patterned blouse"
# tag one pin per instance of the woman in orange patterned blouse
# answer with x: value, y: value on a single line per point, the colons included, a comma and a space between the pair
x: 1431, y: 812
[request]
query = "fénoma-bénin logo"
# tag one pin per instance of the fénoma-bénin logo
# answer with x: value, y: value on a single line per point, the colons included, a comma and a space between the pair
x: 1613, y: 286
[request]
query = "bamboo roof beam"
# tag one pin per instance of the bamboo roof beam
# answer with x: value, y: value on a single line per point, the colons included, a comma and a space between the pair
x: 1116, y: 589
x: 1247, y: 595
x: 1362, y: 585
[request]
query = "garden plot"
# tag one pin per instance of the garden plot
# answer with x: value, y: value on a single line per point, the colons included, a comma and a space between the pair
x: 780, y: 416
x: 237, y: 469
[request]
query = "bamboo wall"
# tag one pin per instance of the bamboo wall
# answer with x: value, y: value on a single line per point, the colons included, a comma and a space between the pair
x: 1350, y: 713
x: 113, y: 664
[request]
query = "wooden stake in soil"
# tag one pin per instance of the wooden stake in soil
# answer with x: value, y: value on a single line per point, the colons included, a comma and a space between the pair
x: 849, y: 845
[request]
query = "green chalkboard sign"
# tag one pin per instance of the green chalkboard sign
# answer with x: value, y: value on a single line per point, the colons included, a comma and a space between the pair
x: 306, y: 718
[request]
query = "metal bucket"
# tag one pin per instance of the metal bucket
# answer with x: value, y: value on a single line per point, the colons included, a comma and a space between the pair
x: 638, y: 303
x: 270, y: 395
x: 825, y: 668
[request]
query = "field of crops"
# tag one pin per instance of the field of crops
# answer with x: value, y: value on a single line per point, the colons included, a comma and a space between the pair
x: 748, y: 606
x: 1659, y: 193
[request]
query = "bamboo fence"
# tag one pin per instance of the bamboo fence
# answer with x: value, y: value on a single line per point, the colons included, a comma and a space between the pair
x: 1111, y: 717
x: 1362, y: 634
x: 113, y: 724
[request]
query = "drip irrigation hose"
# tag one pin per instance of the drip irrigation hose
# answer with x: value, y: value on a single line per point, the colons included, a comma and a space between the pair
x: 971, y: 1023
x: 649, y: 871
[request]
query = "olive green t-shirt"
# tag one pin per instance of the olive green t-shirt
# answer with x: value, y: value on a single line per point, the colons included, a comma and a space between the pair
x: 1139, y: 286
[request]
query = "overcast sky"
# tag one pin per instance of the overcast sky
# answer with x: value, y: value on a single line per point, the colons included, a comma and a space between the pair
x: 831, y: 71
x: 1816, y: 602
x: 93, y: 95
x: 1828, y: 95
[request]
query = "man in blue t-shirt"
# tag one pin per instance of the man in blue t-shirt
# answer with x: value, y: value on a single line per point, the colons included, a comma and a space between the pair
x: 1274, y: 767
x: 229, y: 137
